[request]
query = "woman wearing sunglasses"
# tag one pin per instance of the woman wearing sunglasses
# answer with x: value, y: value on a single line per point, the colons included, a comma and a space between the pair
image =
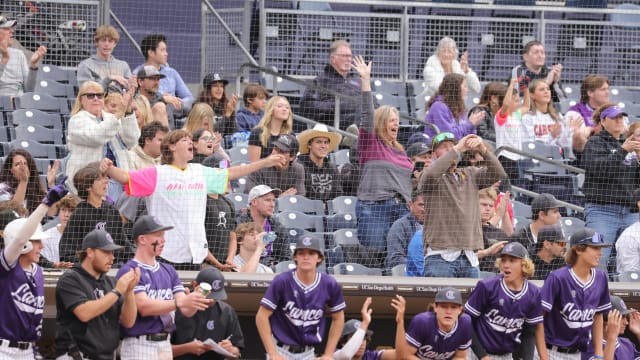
x: 94, y: 133
x: 574, y: 299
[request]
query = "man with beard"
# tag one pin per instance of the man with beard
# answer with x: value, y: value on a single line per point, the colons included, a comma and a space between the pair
x: 550, y: 249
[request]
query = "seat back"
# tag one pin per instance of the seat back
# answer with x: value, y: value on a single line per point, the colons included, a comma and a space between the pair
x: 342, y: 204
x: 296, y: 219
x: 355, y: 269
x: 301, y: 204
x: 40, y: 134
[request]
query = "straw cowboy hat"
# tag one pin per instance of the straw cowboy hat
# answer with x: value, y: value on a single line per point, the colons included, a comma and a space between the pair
x: 319, y: 130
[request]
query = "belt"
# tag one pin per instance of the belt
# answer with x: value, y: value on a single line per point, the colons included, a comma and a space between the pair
x: 77, y: 355
x: 22, y: 345
x: 294, y: 349
x: 154, y: 337
x: 562, y: 349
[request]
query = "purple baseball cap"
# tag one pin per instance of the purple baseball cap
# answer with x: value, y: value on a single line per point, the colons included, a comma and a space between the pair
x: 612, y: 112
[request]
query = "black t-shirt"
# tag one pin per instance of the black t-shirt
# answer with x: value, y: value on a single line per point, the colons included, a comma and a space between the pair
x: 216, y: 323
x: 254, y: 139
x: 542, y: 269
x: 97, y: 338
x: 219, y: 221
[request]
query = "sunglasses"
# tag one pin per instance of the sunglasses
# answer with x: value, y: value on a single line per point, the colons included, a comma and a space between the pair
x: 561, y: 243
x: 443, y: 137
x: 595, y: 239
x: 94, y: 95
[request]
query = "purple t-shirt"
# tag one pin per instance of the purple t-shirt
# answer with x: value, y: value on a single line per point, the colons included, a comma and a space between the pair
x: 571, y: 305
x: 625, y: 350
x: 372, y: 354
x: 433, y: 343
x: 441, y: 116
x: 160, y: 282
x: 22, y: 299
x: 298, y: 310
x: 501, y: 313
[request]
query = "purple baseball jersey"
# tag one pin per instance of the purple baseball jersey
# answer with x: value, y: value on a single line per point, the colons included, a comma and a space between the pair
x: 372, y: 354
x: 501, y: 313
x: 159, y: 282
x: 433, y: 343
x: 571, y: 306
x: 298, y: 310
x: 22, y: 299
x: 625, y: 350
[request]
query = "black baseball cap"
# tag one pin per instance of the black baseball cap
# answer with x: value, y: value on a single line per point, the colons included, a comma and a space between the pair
x: 212, y: 78
x: 551, y: 233
x: 308, y: 242
x: 618, y: 304
x: 544, y: 202
x: 147, y: 224
x: 352, y: 326
x: 418, y: 149
x: 213, y: 277
x: 99, y: 239
x: 287, y: 142
x: 588, y: 237
x: 515, y: 249
x: 449, y: 295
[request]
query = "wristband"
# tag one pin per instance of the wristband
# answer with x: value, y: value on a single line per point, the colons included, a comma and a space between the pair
x: 118, y: 293
x: 598, y: 357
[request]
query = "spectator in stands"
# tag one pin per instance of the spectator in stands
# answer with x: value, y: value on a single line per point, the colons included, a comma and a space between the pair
x: 255, y: 100
x: 20, y: 181
x: 385, y: 186
x: 93, y: 132
x: 490, y: 102
x: 51, y: 249
x: 594, y: 92
x: 142, y: 109
x: 200, y: 117
x: 548, y: 253
x: 147, y: 152
x: 533, y: 67
x: 219, y: 322
x: 337, y: 76
x: 618, y: 343
x: 415, y: 255
x: 322, y: 180
x: 103, y: 67
x: 610, y: 178
x: 112, y: 101
x: 628, y: 244
x: 496, y: 224
x: 543, y: 123
x: 403, y: 230
x: 262, y: 203
x: 220, y: 222
x: 545, y: 210
x: 149, y: 84
x: 277, y: 120
x: 452, y: 224
x: 509, y: 129
x: 447, y: 110
x: 17, y: 75
x: 173, y: 90
x: 289, y: 176
x: 444, y: 62
x: 206, y: 144
x: 93, y: 213
x: 420, y: 151
x: 251, y: 246
x: 177, y: 192
x: 224, y: 108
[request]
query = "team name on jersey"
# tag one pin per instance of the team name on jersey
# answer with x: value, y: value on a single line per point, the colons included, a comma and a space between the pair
x: 427, y: 352
x: 181, y: 186
x: 502, y: 323
x: 302, y: 317
x: 26, y: 302
x: 577, y: 318
x: 159, y: 294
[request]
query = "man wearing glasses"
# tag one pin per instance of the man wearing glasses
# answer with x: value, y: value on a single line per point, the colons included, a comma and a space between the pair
x: 549, y: 256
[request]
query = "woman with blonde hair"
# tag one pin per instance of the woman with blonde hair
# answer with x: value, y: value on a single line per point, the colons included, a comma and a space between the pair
x: 385, y: 185
x: 200, y: 117
x: 93, y: 132
x: 142, y: 110
x: 277, y: 120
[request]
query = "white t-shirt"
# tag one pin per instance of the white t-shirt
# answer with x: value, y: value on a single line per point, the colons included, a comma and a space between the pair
x: 537, y: 127
x: 51, y: 249
x: 509, y: 132
x: 261, y: 269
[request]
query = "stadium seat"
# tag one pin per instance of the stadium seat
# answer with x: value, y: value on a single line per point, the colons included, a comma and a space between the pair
x: 343, y: 237
x: 520, y: 222
x: 399, y: 102
x: 37, y: 117
x: 54, y: 73
x: 285, y: 266
x: 629, y: 276
x: 339, y: 157
x: 342, y: 204
x: 239, y: 200
x: 38, y: 101
x: 7, y: 134
x: 521, y: 209
x: 570, y: 225
x: 563, y: 187
x: 240, y: 153
x: 551, y: 152
x: 341, y: 221
x: 36, y: 149
x: 399, y: 270
x: 355, y: 269
x: 301, y: 204
x: 42, y: 165
x: 396, y: 88
x: 238, y: 185
x: 55, y: 89
x: 486, y: 274
x: 296, y: 219
x: 40, y: 134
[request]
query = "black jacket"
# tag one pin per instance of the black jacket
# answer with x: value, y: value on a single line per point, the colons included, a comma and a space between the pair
x: 321, y: 183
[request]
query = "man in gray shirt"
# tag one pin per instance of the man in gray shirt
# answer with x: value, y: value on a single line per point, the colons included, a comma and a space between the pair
x: 102, y: 67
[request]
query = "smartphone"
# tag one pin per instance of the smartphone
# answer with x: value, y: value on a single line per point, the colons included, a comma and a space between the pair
x: 418, y: 166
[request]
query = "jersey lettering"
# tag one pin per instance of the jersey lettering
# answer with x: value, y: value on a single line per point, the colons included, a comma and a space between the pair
x: 26, y: 302
x: 302, y: 317
x: 427, y: 352
x: 577, y: 318
x: 501, y: 323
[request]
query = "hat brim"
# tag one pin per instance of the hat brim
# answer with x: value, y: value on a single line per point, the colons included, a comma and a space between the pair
x: 161, y: 228
x: 111, y: 247
x: 282, y: 147
x: 224, y: 82
x: 9, y: 24
x: 305, y: 136
x: 275, y: 192
x: 602, y: 245
x: 435, y: 146
x: 217, y: 295
x: 39, y: 235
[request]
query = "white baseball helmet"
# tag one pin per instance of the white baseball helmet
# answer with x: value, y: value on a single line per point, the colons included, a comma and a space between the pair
x: 13, y: 228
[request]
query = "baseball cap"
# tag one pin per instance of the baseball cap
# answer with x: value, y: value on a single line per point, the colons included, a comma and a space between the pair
x: 442, y: 137
x: 146, y: 225
x: 588, y: 237
x: 287, y: 143
x: 99, y: 239
x: 213, y: 277
x: 449, y: 295
x: 262, y: 190
x: 618, y: 304
x: 148, y: 71
x: 308, y: 242
x: 7, y: 216
x: 611, y: 112
x: 551, y: 233
x: 12, y: 229
x: 352, y: 326
x: 418, y: 149
x: 544, y: 202
x: 419, y: 137
x: 6, y: 23
x: 516, y: 250
x: 213, y: 77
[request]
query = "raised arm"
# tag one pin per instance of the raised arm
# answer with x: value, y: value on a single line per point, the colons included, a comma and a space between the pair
x: 236, y: 172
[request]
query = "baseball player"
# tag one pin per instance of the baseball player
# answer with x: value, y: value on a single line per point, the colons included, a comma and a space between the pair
x: 574, y: 298
x: 443, y: 332
x: 22, y: 289
x: 501, y: 306
x: 356, y: 336
x: 290, y: 319
x: 158, y: 294
x: 91, y: 305
x: 618, y: 347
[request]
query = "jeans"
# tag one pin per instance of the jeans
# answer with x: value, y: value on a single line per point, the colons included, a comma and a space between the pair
x: 609, y: 220
x: 375, y: 218
x: 436, y: 266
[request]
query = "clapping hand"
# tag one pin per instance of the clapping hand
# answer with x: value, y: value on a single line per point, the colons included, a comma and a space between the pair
x: 363, y: 68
